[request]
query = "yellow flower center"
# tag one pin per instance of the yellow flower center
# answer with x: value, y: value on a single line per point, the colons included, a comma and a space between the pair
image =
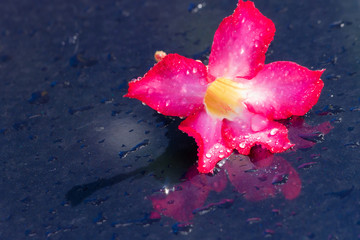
x: 223, y: 99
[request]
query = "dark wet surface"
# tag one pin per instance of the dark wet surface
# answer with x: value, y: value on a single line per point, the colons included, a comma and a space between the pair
x: 78, y: 161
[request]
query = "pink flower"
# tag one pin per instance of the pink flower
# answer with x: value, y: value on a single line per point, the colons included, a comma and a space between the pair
x: 231, y: 103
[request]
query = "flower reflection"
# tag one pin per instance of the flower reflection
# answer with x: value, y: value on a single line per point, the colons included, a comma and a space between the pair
x: 256, y: 177
x: 263, y: 175
x: 188, y: 195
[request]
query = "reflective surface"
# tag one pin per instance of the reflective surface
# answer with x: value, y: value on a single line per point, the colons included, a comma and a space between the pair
x: 78, y: 161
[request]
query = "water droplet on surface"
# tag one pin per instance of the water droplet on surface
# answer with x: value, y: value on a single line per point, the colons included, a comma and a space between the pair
x: 280, y: 179
x: 253, y: 220
x: 315, y: 137
x: 194, y: 70
x: 208, y: 155
x: 242, y: 145
x: 221, y: 156
x: 182, y: 228
x: 307, y: 165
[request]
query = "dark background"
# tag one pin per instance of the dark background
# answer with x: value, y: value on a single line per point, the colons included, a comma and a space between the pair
x: 64, y: 67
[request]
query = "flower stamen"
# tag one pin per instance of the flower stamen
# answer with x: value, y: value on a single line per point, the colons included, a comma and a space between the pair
x: 223, y: 98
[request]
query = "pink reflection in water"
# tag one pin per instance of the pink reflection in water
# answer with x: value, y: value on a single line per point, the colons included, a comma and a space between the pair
x: 180, y: 201
x: 263, y: 175
x: 258, y: 176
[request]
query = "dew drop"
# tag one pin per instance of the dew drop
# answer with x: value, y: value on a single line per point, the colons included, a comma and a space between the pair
x: 221, y: 156
x: 194, y: 70
x: 242, y: 145
x: 258, y: 123
x: 273, y: 131
x: 208, y: 155
x: 187, y: 72
x: 216, y: 146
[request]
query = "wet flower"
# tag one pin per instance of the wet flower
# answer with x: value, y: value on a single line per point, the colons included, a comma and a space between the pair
x: 234, y: 101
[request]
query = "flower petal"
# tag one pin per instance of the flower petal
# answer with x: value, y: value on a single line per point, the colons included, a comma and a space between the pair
x: 207, y: 133
x: 240, y: 43
x: 283, y: 89
x: 243, y: 133
x: 175, y: 86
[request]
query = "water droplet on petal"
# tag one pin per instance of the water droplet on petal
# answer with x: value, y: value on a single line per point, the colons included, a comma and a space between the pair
x: 273, y: 131
x: 221, y: 156
x: 242, y: 145
x: 208, y: 155
x: 258, y: 123
x: 194, y: 70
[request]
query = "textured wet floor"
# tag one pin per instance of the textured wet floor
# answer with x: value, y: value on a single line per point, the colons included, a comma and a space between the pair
x: 78, y: 161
